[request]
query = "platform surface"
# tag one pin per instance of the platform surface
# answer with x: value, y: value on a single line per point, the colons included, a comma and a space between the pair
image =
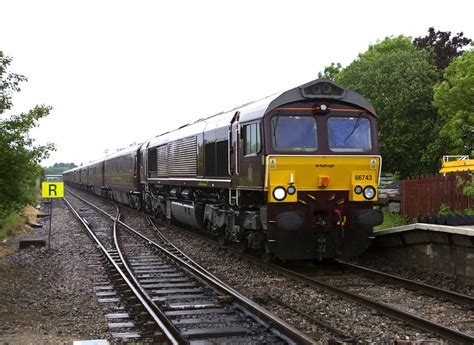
x: 467, y: 230
x: 91, y: 342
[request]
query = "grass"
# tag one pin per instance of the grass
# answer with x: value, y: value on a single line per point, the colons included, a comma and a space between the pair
x: 6, y: 227
x: 390, y: 220
x: 16, y: 222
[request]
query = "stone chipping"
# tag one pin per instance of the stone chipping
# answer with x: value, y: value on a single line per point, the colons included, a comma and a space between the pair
x: 47, y: 295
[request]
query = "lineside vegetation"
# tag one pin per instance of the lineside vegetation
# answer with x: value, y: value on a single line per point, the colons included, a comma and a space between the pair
x: 422, y: 90
x: 19, y: 156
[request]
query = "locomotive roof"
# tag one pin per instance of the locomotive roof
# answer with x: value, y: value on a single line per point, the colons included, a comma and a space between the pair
x: 315, y: 90
x: 251, y: 111
x: 258, y: 109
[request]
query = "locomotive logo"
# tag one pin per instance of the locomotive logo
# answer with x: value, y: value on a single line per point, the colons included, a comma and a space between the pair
x: 250, y: 173
x: 324, y: 165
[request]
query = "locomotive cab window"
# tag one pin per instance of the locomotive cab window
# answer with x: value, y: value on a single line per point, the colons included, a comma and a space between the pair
x: 252, y: 140
x: 349, y: 134
x: 294, y: 133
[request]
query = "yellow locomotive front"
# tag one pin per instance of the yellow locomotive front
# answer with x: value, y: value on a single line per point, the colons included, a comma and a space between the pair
x: 322, y: 171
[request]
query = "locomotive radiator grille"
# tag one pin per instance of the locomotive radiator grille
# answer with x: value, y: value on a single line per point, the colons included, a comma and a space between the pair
x: 182, y: 157
x: 162, y: 160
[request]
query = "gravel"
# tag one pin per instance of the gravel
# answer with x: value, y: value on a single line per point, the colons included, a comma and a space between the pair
x: 264, y: 285
x: 267, y: 288
x: 444, y: 281
x: 261, y: 284
x: 30, y: 314
x: 47, y: 295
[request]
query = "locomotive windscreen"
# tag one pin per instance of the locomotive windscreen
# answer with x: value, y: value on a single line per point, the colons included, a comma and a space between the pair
x: 294, y: 133
x: 349, y: 134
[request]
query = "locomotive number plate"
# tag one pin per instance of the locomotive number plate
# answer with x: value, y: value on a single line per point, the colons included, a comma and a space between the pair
x: 363, y: 177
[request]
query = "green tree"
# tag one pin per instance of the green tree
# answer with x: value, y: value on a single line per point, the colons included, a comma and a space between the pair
x: 330, y: 72
x: 442, y: 48
x: 19, y: 157
x: 398, y: 80
x: 58, y: 168
x: 454, y: 99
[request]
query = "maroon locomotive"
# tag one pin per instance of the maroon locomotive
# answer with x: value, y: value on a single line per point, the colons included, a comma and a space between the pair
x: 293, y: 175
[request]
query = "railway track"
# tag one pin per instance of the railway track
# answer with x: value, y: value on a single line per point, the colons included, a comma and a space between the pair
x: 124, y: 301
x: 339, y: 282
x: 410, y: 284
x: 184, y: 303
x: 336, y: 278
x: 394, y: 303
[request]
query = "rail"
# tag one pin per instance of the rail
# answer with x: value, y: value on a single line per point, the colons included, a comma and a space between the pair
x: 124, y: 277
x: 287, y: 332
x: 430, y: 326
x: 427, y: 325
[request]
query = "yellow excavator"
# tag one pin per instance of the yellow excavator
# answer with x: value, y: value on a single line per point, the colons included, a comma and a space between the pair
x: 456, y: 163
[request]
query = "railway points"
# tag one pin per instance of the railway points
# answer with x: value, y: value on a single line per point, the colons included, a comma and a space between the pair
x: 444, y: 332
x: 177, y: 298
x: 305, y: 307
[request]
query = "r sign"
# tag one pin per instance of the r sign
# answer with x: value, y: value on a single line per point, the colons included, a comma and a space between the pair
x: 52, y: 189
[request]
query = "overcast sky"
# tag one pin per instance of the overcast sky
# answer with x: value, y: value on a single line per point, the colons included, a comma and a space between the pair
x: 118, y: 72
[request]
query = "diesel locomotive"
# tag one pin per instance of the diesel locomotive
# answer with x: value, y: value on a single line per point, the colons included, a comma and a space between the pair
x: 293, y: 176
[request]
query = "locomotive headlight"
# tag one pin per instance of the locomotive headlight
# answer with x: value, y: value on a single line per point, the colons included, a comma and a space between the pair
x: 279, y: 193
x: 358, y: 189
x: 369, y: 192
x: 327, y: 88
x: 316, y: 89
x: 291, y: 190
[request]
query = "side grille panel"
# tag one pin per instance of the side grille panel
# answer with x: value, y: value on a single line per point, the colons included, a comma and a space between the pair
x: 162, y: 159
x: 182, y: 157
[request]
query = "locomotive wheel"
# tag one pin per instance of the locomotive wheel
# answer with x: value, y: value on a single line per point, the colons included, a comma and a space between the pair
x: 242, y: 246
x: 221, y: 238
x: 136, y: 203
x: 266, y: 255
x: 133, y: 203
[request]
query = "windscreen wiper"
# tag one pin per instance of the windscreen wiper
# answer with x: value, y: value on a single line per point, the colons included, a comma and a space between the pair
x: 275, y: 125
x: 356, y: 125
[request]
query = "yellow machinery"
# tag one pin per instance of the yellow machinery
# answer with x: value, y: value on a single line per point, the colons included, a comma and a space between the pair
x: 456, y: 163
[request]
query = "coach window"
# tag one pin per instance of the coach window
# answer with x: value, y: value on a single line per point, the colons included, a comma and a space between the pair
x: 252, y: 139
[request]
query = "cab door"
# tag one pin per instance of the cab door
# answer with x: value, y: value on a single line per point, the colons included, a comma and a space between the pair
x: 251, y: 163
x: 233, y: 147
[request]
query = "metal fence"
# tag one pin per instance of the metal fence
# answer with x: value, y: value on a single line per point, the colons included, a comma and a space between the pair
x: 421, y: 196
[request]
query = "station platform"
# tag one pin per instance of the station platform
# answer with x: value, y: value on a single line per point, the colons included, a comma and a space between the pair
x: 447, y: 249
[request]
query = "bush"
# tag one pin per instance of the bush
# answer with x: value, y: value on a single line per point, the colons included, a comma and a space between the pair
x: 19, y: 157
x: 390, y: 220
